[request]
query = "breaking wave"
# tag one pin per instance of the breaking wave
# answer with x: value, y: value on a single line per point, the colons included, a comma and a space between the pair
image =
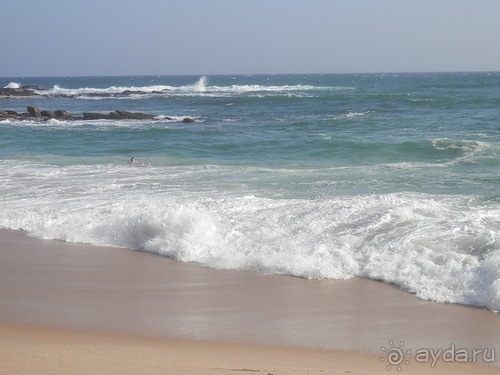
x: 441, y: 248
x: 201, y: 87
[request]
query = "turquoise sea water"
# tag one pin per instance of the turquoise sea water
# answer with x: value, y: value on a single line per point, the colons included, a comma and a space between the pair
x: 391, y: 177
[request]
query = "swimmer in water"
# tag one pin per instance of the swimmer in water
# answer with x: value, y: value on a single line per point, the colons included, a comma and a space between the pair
x: 133, y: 160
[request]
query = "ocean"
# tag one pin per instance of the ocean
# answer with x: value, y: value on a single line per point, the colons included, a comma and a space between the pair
x: 390, y: 177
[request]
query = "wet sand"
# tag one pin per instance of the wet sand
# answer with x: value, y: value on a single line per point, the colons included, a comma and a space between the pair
x: 101, y: 306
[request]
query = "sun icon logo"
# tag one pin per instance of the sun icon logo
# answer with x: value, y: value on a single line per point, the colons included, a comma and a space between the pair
x: 395, y: 356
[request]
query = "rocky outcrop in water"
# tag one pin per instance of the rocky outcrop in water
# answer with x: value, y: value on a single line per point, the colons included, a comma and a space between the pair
x: 118, y: 115
x: 18, y: 91
x: 33, y: 90
x: 34, y: 113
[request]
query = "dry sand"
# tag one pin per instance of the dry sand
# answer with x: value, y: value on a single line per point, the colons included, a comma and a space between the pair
x: 67, y: 308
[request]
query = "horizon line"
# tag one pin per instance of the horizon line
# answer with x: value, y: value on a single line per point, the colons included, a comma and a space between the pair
x: 252, y: 74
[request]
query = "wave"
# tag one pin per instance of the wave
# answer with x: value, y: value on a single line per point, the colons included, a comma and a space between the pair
x: 461, y: 145
x: 201, y: 87
x: 159, y: 121
x: 13, y: 85
x: 466, y: 151
x: 350, y: 115
x: 94, y: 92
x: 440, y: 248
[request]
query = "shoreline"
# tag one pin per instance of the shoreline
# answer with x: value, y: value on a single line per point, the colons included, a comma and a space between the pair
x: 59, y: 351
x: 94, y: 352
x: 57, y: 295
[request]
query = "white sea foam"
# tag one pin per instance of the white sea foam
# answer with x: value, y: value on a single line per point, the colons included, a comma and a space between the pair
x: 462, y: 145
x: 441, y: 248
x: 201, y: 87
x: 159, y: 121
x: 349, y: 115
x: 469, y: 149
x: 13, y: 85
x: 94, y: 91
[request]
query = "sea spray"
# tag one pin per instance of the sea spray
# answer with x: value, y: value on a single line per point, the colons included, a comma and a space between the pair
x: 420, y: 242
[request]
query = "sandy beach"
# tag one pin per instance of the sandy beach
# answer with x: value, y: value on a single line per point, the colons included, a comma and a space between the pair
x: 70, y: 308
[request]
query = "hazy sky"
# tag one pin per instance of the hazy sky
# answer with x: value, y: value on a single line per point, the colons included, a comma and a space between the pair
x: 134, y: 37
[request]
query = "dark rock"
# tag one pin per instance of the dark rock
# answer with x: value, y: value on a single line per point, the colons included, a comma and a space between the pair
x: 98, y: 95
x: 24, y: 116
x: 115, y: 116
x: 118, y: 115
x: 17, y: 91
x: 95, y: 116
x: 33, y: 111
x: 8, y: 114
x: 64, y: 115
x: 134, y: 115
x: 48, y: 114
x: 133, y: 92
x: 188, y: 119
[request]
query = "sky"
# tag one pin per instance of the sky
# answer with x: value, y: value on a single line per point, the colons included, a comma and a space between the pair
x: 169, y: 37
